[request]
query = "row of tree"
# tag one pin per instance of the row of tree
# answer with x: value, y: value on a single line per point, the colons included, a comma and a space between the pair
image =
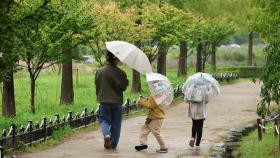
x: 46, y: 32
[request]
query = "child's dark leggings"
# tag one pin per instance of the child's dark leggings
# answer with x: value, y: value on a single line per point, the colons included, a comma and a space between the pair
x: 197, y: 127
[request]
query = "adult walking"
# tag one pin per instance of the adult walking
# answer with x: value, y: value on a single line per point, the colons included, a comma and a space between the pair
x: 110, y: 82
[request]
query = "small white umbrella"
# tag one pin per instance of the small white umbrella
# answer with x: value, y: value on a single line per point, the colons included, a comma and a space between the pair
x: 130, y: 55
x: 161, y: 89
x: 200, y: 85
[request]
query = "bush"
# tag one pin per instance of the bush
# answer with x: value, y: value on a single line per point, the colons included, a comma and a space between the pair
x: 244, y: 71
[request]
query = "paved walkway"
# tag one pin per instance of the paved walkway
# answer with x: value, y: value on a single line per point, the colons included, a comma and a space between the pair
x: 235, y: 106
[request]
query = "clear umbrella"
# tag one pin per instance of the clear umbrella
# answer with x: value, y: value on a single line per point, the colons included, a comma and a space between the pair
x: 130, y: 55
x: 199, y: 86
x: 160, y: 88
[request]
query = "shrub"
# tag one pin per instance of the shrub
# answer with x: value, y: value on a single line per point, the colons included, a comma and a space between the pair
x: 244, y: 71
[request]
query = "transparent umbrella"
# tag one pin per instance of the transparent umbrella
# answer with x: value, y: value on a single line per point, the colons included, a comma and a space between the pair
x: 199, y: 86
x: 160, y: 88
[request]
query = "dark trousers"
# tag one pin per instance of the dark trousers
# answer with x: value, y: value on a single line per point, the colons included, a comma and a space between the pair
x: 110, y: 118
x: 197, y: 126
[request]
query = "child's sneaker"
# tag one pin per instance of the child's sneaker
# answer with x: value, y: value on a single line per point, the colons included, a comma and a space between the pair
x: 197, y: 147
x: 141, y: 147
x: 165, y: 150
x: 191, y: 143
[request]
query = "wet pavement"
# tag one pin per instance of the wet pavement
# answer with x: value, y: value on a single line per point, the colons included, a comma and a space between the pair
x: 234, y: 107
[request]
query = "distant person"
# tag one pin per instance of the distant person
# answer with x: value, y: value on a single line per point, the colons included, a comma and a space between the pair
x: 152, y: 125
x: 197, y: 111
x: 110, y: 82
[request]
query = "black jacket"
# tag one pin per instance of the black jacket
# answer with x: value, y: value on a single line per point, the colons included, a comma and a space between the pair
x: 110, y: 83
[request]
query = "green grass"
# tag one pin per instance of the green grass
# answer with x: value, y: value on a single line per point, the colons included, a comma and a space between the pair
x: 48, y: 95
x: 251, y: 147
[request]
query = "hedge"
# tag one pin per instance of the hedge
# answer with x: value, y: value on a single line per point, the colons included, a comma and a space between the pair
x: 243, y: 71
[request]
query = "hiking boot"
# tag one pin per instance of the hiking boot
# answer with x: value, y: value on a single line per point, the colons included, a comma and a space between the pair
x: 107, y: 143
x: 191, y: 143
x: 165, y: 150
x: 141, y: 147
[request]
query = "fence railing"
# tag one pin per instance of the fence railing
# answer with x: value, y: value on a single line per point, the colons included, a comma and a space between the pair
x: 40, y: 131
x: 261, y: 124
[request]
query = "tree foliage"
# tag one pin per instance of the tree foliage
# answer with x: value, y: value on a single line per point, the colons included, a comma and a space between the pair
x: 267, y: 23
x: 44, y: 33
x: 114, y: 24
x: 7, y: 55
x: 40, y: 32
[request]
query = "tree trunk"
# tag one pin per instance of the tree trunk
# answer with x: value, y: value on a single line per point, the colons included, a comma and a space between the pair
x: 182, y: 70
x: 250, y: 49
x: 199, y: 58
x: 213, y: 58
x: 161, y: 61
x: 136, y: 82
x: 8, y: 96
x: 67, y: 91
x: 203, y: 65
x: 32, y: 91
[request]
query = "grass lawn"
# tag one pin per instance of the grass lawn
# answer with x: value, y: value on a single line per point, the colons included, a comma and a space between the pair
x: 48, y: 95
x: 251, y: 147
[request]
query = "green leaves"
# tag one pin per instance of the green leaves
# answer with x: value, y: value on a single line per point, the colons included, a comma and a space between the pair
x: 171, y: 24
x: 267, y: 22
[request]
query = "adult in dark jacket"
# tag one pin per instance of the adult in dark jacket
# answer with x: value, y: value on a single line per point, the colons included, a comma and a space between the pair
x: 110, y: 83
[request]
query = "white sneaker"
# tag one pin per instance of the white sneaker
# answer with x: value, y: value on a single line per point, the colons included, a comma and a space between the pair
x: 198, y: 147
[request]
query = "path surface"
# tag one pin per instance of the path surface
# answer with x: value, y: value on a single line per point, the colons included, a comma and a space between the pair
x: 235, y: 106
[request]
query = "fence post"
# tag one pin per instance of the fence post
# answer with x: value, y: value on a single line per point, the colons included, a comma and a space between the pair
x: 13, y: 133
x: 127, y: 106
x: 276, y: 126
x: 95, y: 114
x: 57, y: 120
x: 30, y: 129
x: 44, y: 125
x: 134, y: 103
x: 4, y: 137
x: 1, y: 152
x: 138, y: 105
x: 263, y: 123
x: 69, y: 118
x: 259, y: 129
x: 51, y: 126
x: 85, y: 116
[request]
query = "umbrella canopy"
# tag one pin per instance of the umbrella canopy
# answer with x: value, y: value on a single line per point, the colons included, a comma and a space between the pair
x: 161, y: 89
x: 199, y: 86
x: 130, y: 55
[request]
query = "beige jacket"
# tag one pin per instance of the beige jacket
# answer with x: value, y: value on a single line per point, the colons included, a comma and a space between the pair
x: 198, y: 110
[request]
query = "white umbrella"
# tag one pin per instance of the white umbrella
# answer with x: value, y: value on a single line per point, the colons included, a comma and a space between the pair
x: 130, y: 55
x: 161, y: 89
x: 199, y: 86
